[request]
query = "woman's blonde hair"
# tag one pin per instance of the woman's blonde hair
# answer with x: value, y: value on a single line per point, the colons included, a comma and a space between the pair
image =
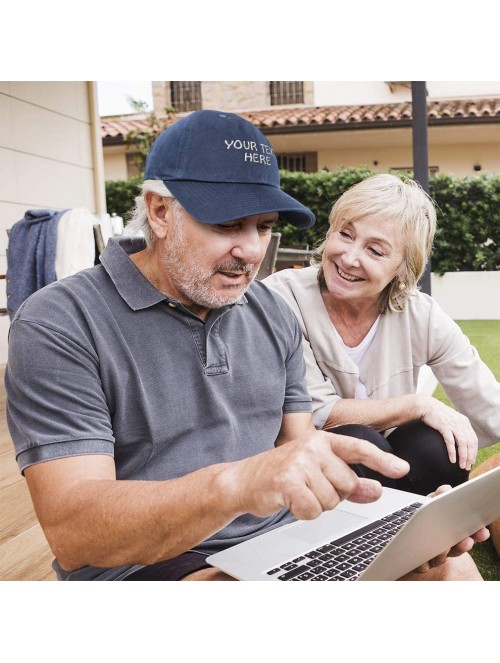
x: 406, y: 204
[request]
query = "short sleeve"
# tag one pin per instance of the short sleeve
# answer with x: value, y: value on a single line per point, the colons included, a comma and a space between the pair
x: 56, y: 406
x: 297, y: 398
x: 320, y: 387
x: 288, y: 335
x: 299, y: 298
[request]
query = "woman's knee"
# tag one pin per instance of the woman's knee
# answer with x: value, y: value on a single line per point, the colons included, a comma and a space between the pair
x: 424, y: 449
x: 366, y: 433
x: 363, y: 433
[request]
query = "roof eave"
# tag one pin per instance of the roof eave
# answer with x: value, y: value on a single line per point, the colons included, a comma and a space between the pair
x: 382, y: 124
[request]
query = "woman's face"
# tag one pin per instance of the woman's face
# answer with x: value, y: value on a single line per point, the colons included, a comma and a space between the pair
x: 362, y: 258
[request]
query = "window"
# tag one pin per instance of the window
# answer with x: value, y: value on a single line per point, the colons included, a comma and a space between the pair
x: 306, y: 162
x: 185, y: 95
x: 286, y: 92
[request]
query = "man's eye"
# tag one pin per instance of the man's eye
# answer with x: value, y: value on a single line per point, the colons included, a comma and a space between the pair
x: 225, y: 226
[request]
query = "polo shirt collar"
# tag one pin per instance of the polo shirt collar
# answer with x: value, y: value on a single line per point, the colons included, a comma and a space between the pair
x: 133, y: 286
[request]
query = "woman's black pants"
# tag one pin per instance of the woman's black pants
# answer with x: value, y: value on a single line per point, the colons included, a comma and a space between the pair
x: 421, y: 446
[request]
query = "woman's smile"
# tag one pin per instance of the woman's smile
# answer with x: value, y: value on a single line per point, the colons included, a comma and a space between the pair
x: 347, y: 277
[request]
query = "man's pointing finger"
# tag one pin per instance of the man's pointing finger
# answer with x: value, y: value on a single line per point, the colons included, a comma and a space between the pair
x: 353, y: 450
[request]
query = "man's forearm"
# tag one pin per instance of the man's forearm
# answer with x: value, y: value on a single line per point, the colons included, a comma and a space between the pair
x: 90, y: 518
x: 109, y: 523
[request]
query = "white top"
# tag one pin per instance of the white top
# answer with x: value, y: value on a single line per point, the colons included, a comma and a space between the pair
x: 357, y: 354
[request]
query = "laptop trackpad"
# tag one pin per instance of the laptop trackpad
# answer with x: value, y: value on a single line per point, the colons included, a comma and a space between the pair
x: 328, y: 527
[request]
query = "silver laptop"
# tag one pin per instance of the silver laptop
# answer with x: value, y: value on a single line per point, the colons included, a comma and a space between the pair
x: 382, y: 540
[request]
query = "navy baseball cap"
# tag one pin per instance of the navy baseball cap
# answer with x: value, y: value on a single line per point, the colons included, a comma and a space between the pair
x: 220, y: 167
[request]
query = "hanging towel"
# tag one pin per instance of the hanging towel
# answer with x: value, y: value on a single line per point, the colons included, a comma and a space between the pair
x: 31, y: 255
x: 75, y: 247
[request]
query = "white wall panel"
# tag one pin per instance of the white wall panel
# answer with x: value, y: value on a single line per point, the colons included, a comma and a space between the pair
x: 46, y: 157
x: 34, y: 130
x: 9, y: 214
x: 64, y: 97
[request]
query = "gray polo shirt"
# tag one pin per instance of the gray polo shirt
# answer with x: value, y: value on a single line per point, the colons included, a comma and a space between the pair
x: 103, y: 363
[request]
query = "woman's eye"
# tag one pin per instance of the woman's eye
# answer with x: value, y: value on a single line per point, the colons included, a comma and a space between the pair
x: 376, y: 253
x: 343, y: 233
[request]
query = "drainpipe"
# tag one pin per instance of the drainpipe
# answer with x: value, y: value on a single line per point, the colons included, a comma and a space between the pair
x: 97, y: 154
x: 421, y: 155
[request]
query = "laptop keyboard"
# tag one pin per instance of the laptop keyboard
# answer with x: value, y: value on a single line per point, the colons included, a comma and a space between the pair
x: 347, y: 557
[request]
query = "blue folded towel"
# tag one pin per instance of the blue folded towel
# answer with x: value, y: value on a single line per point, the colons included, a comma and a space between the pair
x: 31, y: 255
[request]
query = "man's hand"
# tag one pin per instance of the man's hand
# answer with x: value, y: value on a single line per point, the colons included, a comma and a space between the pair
x: 308, y: 475
x: 460, y: 548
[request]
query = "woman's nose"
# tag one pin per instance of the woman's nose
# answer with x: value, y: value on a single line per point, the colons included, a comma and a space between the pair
x: 351, y: 255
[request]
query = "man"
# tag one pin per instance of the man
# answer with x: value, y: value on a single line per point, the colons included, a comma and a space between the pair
x: 157, y: 402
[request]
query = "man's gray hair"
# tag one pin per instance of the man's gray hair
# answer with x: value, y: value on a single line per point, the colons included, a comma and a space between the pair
x: 139, y: 223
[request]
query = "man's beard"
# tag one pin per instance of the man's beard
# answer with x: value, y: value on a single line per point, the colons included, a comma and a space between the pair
x: 193, y: 281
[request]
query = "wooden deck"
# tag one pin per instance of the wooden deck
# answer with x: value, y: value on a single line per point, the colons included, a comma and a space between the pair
x: 24, y: 551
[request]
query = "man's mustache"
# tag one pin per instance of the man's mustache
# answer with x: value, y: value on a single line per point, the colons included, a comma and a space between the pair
x: 236, y: 266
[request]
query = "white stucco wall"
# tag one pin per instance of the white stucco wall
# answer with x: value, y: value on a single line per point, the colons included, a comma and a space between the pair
x: 115, y: 162
x: 339, y: 93
x: 468, y: 295
x: 458, y: 160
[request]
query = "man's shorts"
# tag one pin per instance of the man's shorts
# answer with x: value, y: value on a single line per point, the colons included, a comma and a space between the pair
x: 171, y: 569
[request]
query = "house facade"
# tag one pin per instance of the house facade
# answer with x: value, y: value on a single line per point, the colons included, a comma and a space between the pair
x: 316, y: 125
x: 50, y: 157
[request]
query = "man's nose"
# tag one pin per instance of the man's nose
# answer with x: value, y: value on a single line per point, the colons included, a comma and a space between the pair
x: 250, y: 247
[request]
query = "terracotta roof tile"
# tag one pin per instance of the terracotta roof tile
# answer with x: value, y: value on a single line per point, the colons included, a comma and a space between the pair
x: 114, y: 129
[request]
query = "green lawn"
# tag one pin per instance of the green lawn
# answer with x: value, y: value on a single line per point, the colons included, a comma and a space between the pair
x: 485, y: 336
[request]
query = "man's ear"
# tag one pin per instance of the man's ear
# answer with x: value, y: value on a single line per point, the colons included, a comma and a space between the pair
x: 157, y: 208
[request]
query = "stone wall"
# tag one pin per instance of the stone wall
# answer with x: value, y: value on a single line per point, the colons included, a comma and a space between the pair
x: 228, y: 95
x: 235, y: 95
x: 161, y: 95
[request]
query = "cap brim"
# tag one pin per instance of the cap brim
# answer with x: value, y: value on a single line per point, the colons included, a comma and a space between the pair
x: 218, y: 202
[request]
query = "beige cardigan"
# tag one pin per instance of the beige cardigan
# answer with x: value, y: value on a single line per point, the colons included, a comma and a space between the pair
x: 421, y: 334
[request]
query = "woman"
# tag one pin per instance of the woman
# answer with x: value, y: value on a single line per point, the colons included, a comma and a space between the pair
x: 368, y: 331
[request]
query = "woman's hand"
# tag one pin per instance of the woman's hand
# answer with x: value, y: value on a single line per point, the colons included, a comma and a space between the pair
x: 460, y: 548
x: 455, y: 428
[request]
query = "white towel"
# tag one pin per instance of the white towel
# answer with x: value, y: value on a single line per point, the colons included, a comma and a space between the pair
x: 75, y: 247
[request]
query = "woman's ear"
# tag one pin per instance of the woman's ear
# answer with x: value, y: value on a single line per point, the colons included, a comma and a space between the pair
x: 402, y: 278
x: 157, y: 208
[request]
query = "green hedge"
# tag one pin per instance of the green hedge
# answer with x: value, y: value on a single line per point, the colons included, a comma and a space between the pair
x: 120, y: 195
x: 468, y: 235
